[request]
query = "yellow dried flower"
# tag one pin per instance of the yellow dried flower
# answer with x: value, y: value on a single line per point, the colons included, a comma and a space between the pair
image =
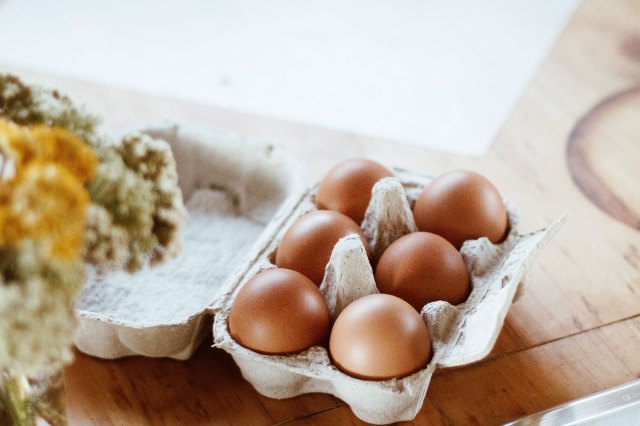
x: 45, y: 202
x: 69, y: 196
x: 16, y: 143
x: 66, y: 149
x: 45, y: 199
x: 136, y: 213
x: 47, y: 145
x: 43, y: 214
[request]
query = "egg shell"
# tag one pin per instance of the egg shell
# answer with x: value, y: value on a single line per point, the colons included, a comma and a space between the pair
x: 422, y: 267
x: 459, y: 206
x: 306, y: 246
x: 379, y: 337
x: 346, y: 188
x: 279, y: 311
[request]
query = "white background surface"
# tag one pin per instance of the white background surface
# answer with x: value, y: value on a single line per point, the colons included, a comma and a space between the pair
x: 443, y: 75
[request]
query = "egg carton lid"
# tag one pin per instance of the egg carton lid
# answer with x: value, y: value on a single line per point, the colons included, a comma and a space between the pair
x: 233, y: 188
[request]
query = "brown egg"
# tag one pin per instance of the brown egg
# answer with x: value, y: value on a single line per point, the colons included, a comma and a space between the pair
x: 307, y: 245
x: 460, y: 206
x: 346, y: 188
x: 422, y: 267
x: 279, y: 311
x: 379, y: 337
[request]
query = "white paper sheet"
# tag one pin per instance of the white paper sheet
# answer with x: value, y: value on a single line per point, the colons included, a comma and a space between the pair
x: 442, y: 75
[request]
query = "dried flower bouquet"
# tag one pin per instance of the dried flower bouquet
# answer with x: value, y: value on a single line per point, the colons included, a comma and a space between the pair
x: 69, y: 197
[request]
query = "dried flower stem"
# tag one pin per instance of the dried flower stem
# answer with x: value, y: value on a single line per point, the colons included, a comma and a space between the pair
x: 49, y: 400
x: 14, y: 391
x: 22, y: 402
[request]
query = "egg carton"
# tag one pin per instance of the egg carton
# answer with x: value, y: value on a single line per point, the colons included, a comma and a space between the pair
x: 242, y: 197
x: 233, y: 187
x: 459, y: 334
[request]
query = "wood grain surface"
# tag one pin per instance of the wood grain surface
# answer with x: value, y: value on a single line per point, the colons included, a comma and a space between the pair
x: 603, y: 154
x: 575, y: 331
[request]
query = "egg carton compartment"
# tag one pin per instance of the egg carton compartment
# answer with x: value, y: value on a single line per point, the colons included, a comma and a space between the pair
x: 233, y: 188
x: 459, y: 334
x: 242, y: 196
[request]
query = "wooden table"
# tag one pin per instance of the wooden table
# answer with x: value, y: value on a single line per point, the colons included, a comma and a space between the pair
x: 571, y: 144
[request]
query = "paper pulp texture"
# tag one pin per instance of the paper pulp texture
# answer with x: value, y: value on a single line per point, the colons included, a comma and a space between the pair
x: 232, y: 188
x: 459, y: 334
x: 242, y: 197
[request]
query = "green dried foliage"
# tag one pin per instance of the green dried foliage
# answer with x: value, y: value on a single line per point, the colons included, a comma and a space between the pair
x: 152, y: 161
x: 136, y: 184
x: 26, y: 105
x: 137, y: 213
x: 135, y: 216
x: 36, y: 308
